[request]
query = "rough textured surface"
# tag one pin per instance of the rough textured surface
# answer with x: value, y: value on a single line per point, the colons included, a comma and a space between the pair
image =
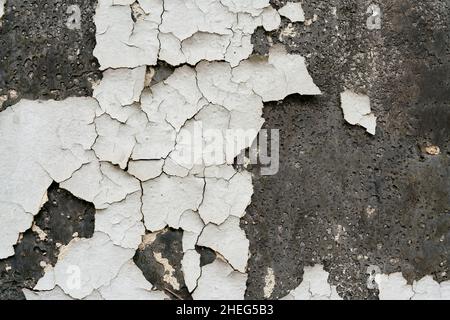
x: 342, y: 198
x: 349, y: 215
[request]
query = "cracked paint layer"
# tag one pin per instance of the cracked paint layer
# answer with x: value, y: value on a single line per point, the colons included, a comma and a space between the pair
x: 395, y: 287
x: 69, y: 134
x: 218, y: 281
x: 314, y: 286
x: 142, y: 151
x: 387, y: 192
x: 43, y: 55
x: 2, y: 9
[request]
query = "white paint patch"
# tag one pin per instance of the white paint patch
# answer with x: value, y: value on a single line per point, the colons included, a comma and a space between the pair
x: 191, y: 269
x: 86, y: 145
x: 101, y: 183
x: 122, y: 221
x: 123, y: 43
x: 225, y: 198
x: 130, y: 284
x: 395, y: 287
x: 229, y: 240
x: 357, y: 111
x: 57, y: 294
x: 85, y: 265
x: 220, y: 282
x: 146, y: 169
x: 314, y: 286
x: 167, y: 198
x: 293, y: 11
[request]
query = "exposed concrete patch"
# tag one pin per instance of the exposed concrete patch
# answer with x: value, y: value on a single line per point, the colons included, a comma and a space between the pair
x: 85, y: 265
x: 41, y: 57
x: 228, y: 240
x: 314, y: 286
x: 269, y: 283
x: 395, y: 287
x: 65, y: 132
x: 220, y: 282
x: 191, y: 269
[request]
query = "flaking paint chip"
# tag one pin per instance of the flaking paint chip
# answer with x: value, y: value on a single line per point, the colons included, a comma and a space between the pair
x: 314, y: 286
x: 357, y: 111
x: 293, y: 11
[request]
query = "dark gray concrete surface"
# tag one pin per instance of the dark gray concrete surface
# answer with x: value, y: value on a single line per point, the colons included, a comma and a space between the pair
x: 40, y: 58
x: 392, y: 199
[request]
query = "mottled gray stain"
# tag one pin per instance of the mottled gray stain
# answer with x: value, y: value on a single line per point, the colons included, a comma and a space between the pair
x: 40, y: 57
x: 392, y: 199
x: 62, y: 217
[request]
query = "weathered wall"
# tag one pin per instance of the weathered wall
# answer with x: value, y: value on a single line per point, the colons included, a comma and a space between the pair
x: 342, y: 198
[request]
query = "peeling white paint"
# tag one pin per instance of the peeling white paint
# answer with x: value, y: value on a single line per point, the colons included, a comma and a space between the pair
x: 120, y: 88
x: 287, y: 72
x: 223, y: 198
x: 314, y: 286
x: 192, y: 226
x: 395, y: 287
x: 97, y: 260
x: 229, y: 240
x: 219, y: 281
x: 87, y: 144
x: 101, y: 183
x: 48, y: 139
x: 56, y: 294
x: 357, y: 111
x: 293, y: 11
x: 146, y: 169
x: 191, y: 269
